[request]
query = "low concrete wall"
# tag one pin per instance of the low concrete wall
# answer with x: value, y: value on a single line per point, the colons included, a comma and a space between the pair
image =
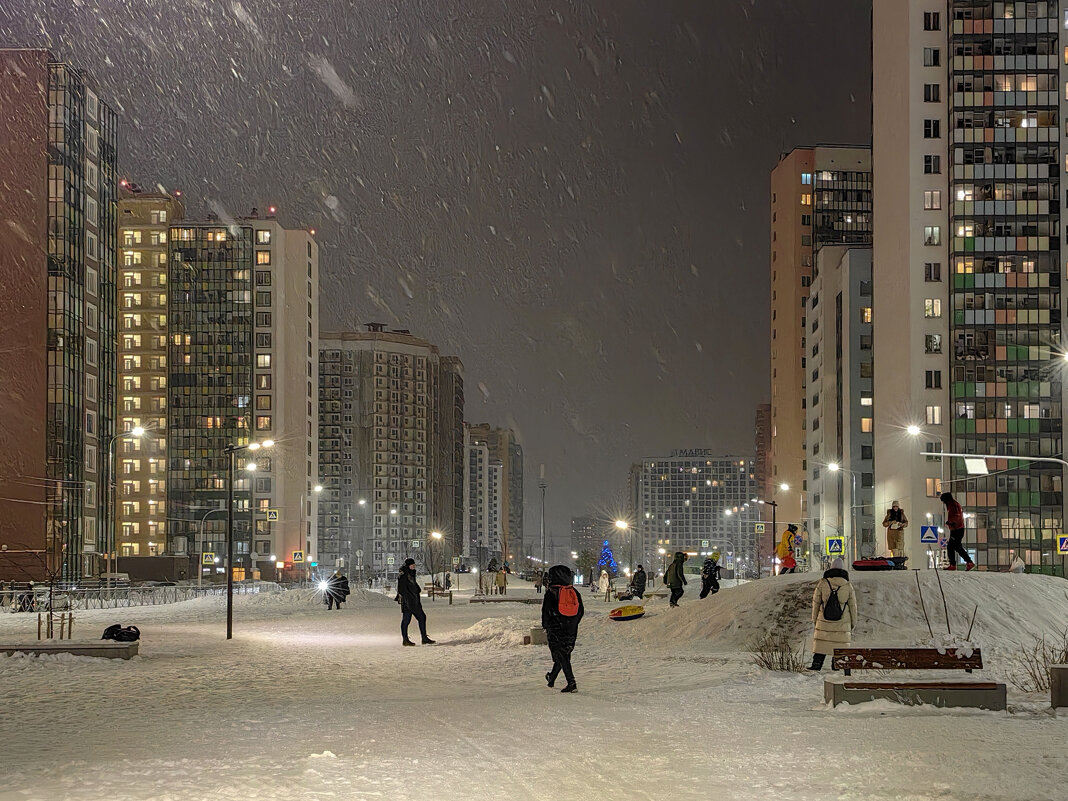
x: 103, y: 648
x: 978, y: 695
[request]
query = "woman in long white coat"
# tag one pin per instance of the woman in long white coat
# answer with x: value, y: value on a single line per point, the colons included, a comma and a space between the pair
x: 831, y: 634
x: 604, y: 583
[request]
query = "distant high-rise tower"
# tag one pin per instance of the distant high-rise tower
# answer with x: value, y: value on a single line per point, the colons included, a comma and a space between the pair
x: 145, y: 217
x: 505, y: 449
x: 57, y: 317
x: 242, y: 367
x: 387, y: 447
x: 819, y: 196
x: 969, y: 154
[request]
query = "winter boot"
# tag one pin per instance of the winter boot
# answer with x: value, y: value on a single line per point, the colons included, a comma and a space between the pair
x: 971, y: 566
x: 428, y: 641
x: 409, y: 642
x: 570, y: 688
x: 951, y: 567
x: 549, y: 679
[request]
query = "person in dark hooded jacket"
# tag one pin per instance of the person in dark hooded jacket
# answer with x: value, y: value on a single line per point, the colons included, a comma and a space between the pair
x: 411, y: 605
x: 337, y: 590
x: 709, y: 577
x: 638, y: 581
x: 674, y: 577
x: 560, y: 630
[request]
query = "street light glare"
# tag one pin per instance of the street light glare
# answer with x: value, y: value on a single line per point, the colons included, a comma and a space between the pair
x: 138, y: 431
x: 622, y: 525
x: 784, y: 486
x: 834, y: 467
x: 317, y: 488
x: 267, y: 443
x: 254, y: 446
x: 250, y: 467
x: 362, y: 501
x: 913, y: 430
x: 436, y: 535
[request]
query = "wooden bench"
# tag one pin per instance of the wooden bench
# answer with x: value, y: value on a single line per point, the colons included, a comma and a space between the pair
x: 850, y: 659
x: 981, y: 694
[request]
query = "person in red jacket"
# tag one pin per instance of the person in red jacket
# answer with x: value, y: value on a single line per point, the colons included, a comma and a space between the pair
x: 955, y: 524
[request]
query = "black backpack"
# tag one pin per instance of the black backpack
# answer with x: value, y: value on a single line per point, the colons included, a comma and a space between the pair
x: 120, y: 634
x: 832, y: 609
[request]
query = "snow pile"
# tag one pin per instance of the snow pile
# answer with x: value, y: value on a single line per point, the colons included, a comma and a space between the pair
x: 1013, y: 611
x: 500, y: 631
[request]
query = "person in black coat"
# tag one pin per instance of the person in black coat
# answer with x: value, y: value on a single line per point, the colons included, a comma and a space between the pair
x: 638, y: 581
x: 411, y: 606
x: 560, y: 630
x: 337, y: 590
x: 709, y: 577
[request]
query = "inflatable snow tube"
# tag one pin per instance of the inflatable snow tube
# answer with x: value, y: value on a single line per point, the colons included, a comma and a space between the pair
x: 874, y: 564
x: 632, y: 612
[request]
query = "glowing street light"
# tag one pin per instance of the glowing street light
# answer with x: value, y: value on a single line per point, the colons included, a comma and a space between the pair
x: 834, y: 467
x: 622, y: 525
x: 913, y: 430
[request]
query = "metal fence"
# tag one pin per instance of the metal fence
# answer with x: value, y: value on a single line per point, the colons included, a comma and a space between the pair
x: 38, y: 598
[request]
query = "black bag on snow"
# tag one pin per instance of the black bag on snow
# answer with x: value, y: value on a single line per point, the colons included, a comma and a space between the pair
x: 120, y: 634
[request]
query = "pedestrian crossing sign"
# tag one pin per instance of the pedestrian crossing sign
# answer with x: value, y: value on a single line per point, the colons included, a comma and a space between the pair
x: 835, y: 546
x: 1062, y: 544
x: 704, y: 543
x: 729, y: 561
x: 758, y: 528
x: 298, y: 557
x: 207, y: 558
x: 272, y: 514
x: 928, y: 534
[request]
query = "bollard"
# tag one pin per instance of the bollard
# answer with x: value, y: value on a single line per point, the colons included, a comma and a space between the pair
x: 1058, y: 686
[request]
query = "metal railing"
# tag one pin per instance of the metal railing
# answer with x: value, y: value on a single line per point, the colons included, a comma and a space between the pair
x: 39, y: 599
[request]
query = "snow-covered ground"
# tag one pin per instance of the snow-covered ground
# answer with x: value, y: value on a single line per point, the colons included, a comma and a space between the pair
x: 310, y: 704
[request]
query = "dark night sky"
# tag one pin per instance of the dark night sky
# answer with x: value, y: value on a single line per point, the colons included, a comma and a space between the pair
x: 569, y: 194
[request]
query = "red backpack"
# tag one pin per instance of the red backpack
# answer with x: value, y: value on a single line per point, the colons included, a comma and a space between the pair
x: 568, y: 604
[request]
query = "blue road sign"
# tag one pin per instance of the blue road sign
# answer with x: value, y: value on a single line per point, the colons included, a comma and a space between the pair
x: 1062, y: 545
x: 929, y: 534
x: 835, y: 546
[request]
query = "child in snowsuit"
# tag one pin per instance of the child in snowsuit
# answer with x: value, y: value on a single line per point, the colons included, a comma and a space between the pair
x: 709, y: 577
x: 561, y: 629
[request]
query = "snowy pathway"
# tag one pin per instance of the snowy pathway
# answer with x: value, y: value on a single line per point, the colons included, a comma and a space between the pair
x: 306, y: 704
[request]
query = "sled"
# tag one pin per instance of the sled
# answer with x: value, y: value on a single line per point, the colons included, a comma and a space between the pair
x: 873, y: 564
x: 632, y: 612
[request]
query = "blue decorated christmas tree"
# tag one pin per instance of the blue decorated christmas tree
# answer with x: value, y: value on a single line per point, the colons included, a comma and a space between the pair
x: 607, y: 560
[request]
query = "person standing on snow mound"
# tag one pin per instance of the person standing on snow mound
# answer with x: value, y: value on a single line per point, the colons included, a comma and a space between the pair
x: 674, y: 577
x: 709, y: 577
x: 561, y: 611
x: 411, y: 605
x: 604, y: 584
x: 895, y: 524
x: 955, y: 524
x: 834, y: 613
x: 638, y: 582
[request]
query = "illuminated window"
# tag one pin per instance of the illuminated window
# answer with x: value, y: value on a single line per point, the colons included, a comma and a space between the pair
x: 932, y: 235
x: 806, y: 199
x: 263, y: 257
x: 932, y: 200
x: 263, y: 361
x: 866, y: 400
x: 263, y: 422
x: 263, y: 237
x: 865, y: 314
x: 866, y: 425
x: 932, y: 307
x: 933, y: 415
x: 934, y: 487
x: 131, y: 237
x: 932, y: 343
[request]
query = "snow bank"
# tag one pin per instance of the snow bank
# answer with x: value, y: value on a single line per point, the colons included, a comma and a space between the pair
x: 1013, y: 610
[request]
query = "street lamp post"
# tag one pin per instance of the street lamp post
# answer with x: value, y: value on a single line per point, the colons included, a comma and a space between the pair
x: 541, y: 486
x: 774, y: 530
x: 441, y: 546
x: 231, y: 452
x: 200, y: 544
x: 834, y: 467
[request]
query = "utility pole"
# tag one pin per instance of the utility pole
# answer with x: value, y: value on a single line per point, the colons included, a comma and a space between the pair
x: 541, y: 486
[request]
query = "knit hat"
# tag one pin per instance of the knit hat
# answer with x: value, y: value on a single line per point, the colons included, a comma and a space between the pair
x: 409, y: 562
x: 838, y: 564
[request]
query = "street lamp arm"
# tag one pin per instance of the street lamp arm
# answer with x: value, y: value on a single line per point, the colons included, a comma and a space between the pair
x: 943, y: 454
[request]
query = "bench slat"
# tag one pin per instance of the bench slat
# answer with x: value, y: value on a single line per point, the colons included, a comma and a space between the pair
x: 905, y: 659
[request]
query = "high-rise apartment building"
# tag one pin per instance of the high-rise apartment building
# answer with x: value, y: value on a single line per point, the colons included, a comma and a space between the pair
x: 382, y: 418
x: 57, y: 312
x: 819, y: 196
x: 449, y: 475
x: 145, y: 217
x: 699, y: 502
x: 840, y: 419
x: 243, y: 367
x: 587, y: 534
x: 505, y: 449
x: 969, y: 150
x: 762, y: 445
